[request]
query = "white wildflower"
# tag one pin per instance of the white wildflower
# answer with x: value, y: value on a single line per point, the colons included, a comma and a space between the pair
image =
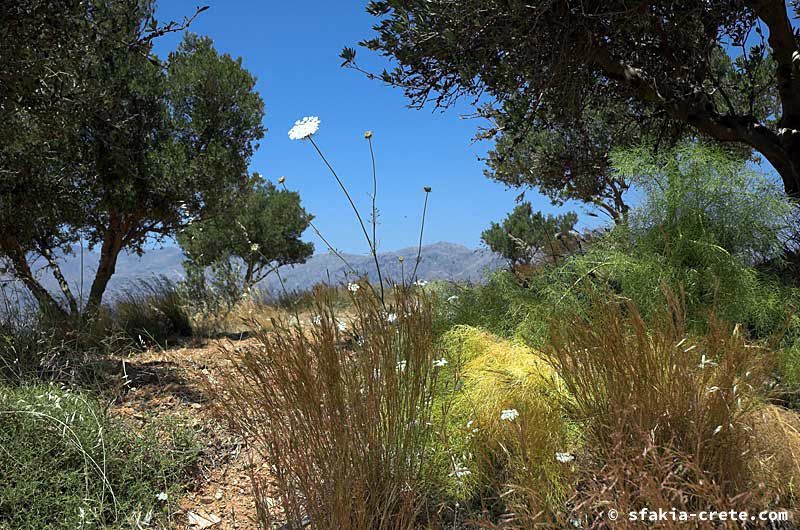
x: 439, y: 363
x: 704, y: 361
x: 162, y: 496
x: 460, y: 471
x: 353, y: 287
x: 254, y: 247
x: 341, y: 326
x: 509, y: 414
x: 565, y: 458
x: 391, y: 318
x: 316, y: 320
x: 304, y: 128
x: 421, y: 283
x: 401, y: 366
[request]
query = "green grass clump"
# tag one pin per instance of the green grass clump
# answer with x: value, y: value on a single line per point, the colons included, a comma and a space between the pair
x: 155, y: 312
x: 65, y: 463
x: 518, y: 454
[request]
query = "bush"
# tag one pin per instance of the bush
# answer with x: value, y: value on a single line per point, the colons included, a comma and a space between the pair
x: 499, y: 306
x: 341, y: 411
x: 66, y: 464
x: 503, y: 453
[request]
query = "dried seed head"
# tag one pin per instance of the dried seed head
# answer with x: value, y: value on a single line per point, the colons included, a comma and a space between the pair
x: 427, y: 189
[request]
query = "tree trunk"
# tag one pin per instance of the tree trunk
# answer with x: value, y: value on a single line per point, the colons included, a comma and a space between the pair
x: 22, y: 272
x: 62, y: 283
x: 112, y: 245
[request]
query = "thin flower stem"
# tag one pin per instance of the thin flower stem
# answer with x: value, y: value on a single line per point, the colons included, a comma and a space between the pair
x: 375, y: 213
x: 355, y: 210
x: 421, y: 230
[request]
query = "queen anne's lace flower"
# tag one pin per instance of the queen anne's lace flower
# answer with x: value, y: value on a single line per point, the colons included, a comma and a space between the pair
x: 460, y: 471
x: 564, y: 458
x: 353, y: 287
x: 304, y: 128
x: 440, y: 363
x: 509, y: 414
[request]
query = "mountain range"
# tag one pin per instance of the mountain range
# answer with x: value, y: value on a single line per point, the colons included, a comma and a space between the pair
x: 439, y: 261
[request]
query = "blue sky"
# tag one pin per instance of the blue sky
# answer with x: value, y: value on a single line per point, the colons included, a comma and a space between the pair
x: 292, y: 48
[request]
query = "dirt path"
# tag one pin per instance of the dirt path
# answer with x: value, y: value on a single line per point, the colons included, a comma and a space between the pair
x: 169, y: 382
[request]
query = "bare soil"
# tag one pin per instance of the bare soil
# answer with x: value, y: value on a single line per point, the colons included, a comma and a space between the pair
x: 170, y: 382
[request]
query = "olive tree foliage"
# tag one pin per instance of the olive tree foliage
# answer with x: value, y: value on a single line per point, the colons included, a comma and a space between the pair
x: 565, y: 157
x: 260, y: 233
x: 525, y: 236
x: 724, y: 69
x: 112, y: 145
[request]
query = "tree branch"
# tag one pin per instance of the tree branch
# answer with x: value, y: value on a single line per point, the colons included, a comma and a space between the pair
x: 785, y: 51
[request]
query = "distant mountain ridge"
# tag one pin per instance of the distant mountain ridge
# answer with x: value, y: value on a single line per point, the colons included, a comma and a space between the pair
x: 439, y: 261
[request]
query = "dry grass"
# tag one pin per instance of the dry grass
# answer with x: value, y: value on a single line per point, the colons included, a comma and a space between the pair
x: 340, y: 411
x: 670, y: 419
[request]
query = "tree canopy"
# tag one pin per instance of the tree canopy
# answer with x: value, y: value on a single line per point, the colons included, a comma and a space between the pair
x: 262, y: 231
x: 726, y: 69
x: 117, y: 147
x: 525, y: 236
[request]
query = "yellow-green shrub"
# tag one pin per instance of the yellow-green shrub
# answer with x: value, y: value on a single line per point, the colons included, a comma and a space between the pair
x: 514, y: 457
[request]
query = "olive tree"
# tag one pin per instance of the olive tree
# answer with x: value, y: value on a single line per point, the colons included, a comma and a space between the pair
x: 261, y: 233
x: 724, y: 69
x: 145, y: 144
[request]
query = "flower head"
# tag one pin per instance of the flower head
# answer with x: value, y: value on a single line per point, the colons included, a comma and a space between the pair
x: 304, y: 128
x: 421, y: 283
x: 281, y: 180
x: 401, y: 259
x: 565, y: 458
x: 439, y: 363
x: 401, y: 366
x: 341, y: 326
x: 426, y: 189
x: 460, y: 471
x: 162, y: 496
x: 254, y: 247
x: 367, y: 134
x: 509, y: 414
x: 353, y: 287
x: 391, y: 318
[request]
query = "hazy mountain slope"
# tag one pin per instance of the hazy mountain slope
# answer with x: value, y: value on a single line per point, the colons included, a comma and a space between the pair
x: 445, y: 261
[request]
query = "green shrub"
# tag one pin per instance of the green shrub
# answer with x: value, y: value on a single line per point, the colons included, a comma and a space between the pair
x: 499, y: 306
x: 66, y: 464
